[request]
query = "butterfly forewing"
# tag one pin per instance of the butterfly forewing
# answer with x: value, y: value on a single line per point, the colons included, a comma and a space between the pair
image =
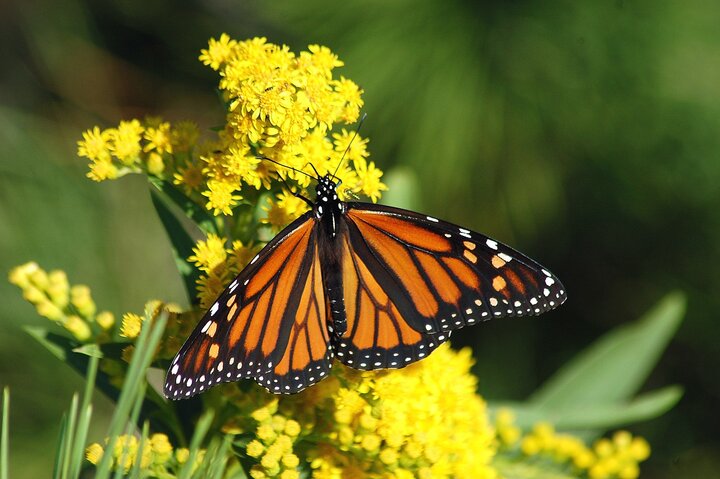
x: 270, y: 324
x: 443, y: 277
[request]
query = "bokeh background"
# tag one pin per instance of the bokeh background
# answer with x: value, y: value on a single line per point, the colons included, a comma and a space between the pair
x: 586, y: 134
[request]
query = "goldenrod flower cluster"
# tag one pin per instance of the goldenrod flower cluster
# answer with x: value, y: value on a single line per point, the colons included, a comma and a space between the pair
x: 272, y: 447
x: 134, y: 146
x: 157, y: 457
x: 280, y: 105
x: 421, y: 421
x: 72, y: 307
x: 218, y: 265
x: 616, y: 458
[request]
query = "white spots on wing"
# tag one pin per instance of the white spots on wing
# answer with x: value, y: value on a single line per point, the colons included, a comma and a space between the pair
x: 189, y: 382
x: 220, y: 366
x: 546, y: 292
x: 246, y: 282
x: 517, y: 304
x: 493, y: 302
x: 320, y: 209
x: 254, y: 259
x: 468, y: 311
x: 546, y: 272
x: 231, y: 361
x: 214, y: 310
x: 175, y: 369
x: 533, y: 301
x: 549, y: 281
x: 506, y: 257
x: 448, y: 235
x: 478, y: 302
x: 202, y: 378
x: 178, y: 380
x: 428, y: 327
x: 492, y: 244
x: 434, y: 220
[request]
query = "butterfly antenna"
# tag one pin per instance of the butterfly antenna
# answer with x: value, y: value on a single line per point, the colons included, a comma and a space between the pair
x: 360, y: 124
x: 288, y: 167
x: 287, y: 186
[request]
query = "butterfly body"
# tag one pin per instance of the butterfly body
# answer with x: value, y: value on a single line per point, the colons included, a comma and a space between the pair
x: 371, y: 285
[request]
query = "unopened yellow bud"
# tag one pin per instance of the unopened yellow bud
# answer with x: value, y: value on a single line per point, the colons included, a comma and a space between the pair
x: 370, y: 442
x: 105, y: 319
x: 78, y: 327
x: 39, y: 278
x: 388, y: 456
x: 33, y: 294
x: 292, y: 428
x: 81, y: 299
x: 48, y: 310
x: 290, y: 461
x: 640, y: 449
x: 155, y: 164
x: 182, y: 455
x: 255, y: 448
x: 290, y: 474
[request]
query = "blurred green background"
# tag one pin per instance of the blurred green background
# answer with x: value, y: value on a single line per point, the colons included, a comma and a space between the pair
x: 584, y: 133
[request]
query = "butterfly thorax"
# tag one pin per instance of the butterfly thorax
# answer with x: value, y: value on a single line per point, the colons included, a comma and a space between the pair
x: 329, y: 211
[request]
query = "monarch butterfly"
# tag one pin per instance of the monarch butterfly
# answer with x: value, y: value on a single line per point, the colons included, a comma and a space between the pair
x: 375, y: 286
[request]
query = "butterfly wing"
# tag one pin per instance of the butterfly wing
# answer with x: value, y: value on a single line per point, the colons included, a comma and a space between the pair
x: 270, y: 324
x: 410, y: 279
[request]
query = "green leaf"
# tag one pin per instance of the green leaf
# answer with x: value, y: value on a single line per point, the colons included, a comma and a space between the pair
x: 613, y: 368
x: 514, y: 468
x: 597, y: 416
x: 201, y: 217
x: 181, y: 241
x: 4, y: 435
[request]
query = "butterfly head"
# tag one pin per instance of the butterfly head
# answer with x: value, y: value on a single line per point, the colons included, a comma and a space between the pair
x: 327, y: 204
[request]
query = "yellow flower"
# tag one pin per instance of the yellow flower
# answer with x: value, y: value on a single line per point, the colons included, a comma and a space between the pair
x: 126, y: 141
x: 220, y: 196
x: 94, y: 453
x: 131, y: 325
x: 209, y: 254
x: 369, y: 178
x: 283, y: 210
x: 184, y: 136
x: 95, y: 145
x: 218, y: 51
x: 101, y: 170
x: 159, y: 139
x: 190, y: 177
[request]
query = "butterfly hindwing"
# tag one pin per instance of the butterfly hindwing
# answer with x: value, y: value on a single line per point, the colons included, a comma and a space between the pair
x: 443, y: 277
x: 378, y: 334
x: 270, y: 324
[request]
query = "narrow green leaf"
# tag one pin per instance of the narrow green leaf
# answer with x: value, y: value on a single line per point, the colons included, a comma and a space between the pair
x: 614, y: 367
x: 181, y: 241
x: 599, y: 417
x: 201, y: 429
x: 57, y: 467
x: 66, y: 453
x: 144, y: 349
x: 4, y: 434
